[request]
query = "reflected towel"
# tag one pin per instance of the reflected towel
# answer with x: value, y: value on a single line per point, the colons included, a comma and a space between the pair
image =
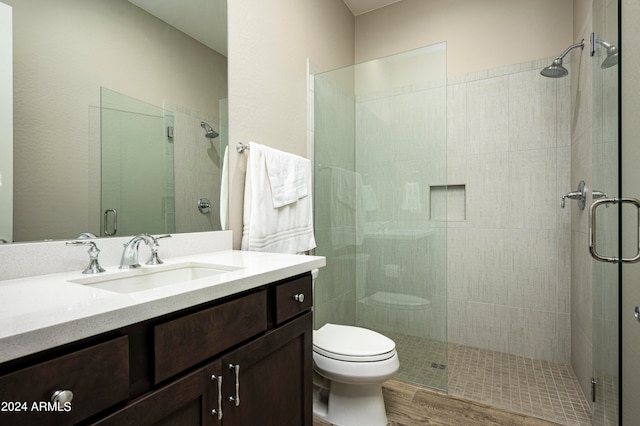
x: 347, y: 212
x: 411, y: 197
x: 286, y: 229
x: 369, y: 199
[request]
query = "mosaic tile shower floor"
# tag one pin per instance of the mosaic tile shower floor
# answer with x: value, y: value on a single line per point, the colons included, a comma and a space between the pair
x: 523, y: 385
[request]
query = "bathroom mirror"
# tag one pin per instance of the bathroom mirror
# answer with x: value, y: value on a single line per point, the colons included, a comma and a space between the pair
x: 167, y: 54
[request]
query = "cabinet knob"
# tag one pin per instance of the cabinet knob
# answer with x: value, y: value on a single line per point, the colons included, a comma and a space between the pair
x: 299, y: 297
x: 61, y: 397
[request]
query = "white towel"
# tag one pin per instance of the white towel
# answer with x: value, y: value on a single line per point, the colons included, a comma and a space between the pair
x: 224, y: 190
x: 286, y: 229
x: 288, y: 175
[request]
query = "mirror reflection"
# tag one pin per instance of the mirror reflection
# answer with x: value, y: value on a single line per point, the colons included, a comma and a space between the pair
x: 109, y: 101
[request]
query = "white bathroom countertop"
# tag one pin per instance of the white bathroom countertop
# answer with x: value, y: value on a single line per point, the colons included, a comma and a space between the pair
x: 43, y: 312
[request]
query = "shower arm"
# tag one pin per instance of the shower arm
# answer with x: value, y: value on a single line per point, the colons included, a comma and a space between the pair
x: 570, y: 48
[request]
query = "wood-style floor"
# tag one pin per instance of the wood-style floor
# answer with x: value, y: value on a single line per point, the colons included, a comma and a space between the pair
x: 411, y: 405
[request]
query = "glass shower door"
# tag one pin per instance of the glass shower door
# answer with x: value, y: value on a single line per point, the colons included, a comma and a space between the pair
x: 137, y: 167
x: 605, y: 276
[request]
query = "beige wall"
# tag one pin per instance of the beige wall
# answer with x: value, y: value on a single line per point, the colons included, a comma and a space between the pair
x: 479, y: 34
x: 64, y: 51
x: 269, y: 43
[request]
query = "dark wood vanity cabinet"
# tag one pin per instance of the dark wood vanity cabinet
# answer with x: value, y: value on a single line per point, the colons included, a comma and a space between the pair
x: 243, y: 361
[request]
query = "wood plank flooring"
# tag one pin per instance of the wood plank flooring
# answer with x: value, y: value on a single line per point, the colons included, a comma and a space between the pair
x: 411, y: 405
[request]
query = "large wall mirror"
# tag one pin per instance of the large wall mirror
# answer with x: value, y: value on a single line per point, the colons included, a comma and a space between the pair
x: 149, y: 76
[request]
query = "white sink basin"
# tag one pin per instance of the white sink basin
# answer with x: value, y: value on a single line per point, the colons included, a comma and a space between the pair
x: 147, y: 278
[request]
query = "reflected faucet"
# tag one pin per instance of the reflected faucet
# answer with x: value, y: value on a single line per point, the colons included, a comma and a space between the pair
x: 130, y: 254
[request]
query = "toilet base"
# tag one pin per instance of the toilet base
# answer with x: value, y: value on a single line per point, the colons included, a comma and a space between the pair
x: 351, y: 405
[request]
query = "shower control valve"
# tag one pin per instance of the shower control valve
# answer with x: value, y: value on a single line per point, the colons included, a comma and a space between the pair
x: 580, y: 194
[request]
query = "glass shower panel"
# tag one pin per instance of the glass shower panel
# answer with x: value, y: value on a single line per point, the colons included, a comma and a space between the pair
x: 605, y: 181
x: 137, y: 167
x: 381, y: 204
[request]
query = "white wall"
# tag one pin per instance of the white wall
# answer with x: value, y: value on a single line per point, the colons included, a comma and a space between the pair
x: 480, y: 35
x: 269, y: 43
x: 6, y: 123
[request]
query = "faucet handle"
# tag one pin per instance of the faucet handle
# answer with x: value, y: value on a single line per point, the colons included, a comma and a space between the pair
x: 154, y: 259
x: 94, y: 267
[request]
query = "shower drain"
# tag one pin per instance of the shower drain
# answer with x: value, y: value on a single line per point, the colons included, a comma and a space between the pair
x: 438, y: 366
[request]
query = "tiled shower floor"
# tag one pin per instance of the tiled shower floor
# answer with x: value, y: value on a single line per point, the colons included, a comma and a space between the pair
x: 523, y: 385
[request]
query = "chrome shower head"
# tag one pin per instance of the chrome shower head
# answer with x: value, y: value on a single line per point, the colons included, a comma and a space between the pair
x: 211, y: 134
x: 556, y: 70
x: 613, y: 55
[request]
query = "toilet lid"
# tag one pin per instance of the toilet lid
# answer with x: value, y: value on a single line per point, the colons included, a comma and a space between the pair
x: 348, y: 343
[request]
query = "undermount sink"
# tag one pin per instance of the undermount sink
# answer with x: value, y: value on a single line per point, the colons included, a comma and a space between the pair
x: 147, y: 278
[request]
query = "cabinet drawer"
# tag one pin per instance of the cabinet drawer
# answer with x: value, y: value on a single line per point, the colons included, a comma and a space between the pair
x: 98, y: 376
x: 293, y: 298
x: 186, y: 341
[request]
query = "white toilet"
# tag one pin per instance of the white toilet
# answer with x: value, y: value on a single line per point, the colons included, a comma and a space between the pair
x: 350, y: 364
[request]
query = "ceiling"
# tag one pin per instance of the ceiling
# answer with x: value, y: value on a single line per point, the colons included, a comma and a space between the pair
x: 358, y: 7
x: 203, y: 20
x: 206, y: 20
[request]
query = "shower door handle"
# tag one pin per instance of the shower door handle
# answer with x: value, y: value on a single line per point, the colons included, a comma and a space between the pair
x: 106, y: 221
x: 592, y: 230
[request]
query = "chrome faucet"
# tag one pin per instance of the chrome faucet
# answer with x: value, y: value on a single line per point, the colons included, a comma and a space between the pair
x: 130, y: 254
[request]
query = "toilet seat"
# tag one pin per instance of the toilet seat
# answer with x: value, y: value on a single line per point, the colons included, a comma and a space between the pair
x: 352, y: 344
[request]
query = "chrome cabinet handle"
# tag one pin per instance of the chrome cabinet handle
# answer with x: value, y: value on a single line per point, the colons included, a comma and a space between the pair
x: 236, y: 399
x: 115, y: 222
x: 299, y: 297
x: 592, y: 230
x: 218, y: 411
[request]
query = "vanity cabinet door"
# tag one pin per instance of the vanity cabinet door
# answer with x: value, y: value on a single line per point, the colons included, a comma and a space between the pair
x: 188, y: 401
x: 273, y: 380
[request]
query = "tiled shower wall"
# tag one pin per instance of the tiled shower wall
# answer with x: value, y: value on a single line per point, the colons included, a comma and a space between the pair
x: 508, y: 252
x: 197, y: 167
x: 509, y: 261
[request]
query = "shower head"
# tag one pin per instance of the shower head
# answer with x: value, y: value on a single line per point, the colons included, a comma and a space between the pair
x: 556, y: 70
x: 211, y: 134
x: 612, y: 54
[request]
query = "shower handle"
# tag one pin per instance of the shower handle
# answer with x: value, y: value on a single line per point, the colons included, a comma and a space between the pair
x: 580, y: 194
x: 593, y: 226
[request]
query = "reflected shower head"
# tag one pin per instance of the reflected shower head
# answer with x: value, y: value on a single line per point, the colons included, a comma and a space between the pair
x: 612, y: 55
x: 211, y: 134
x: 556, y: 70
